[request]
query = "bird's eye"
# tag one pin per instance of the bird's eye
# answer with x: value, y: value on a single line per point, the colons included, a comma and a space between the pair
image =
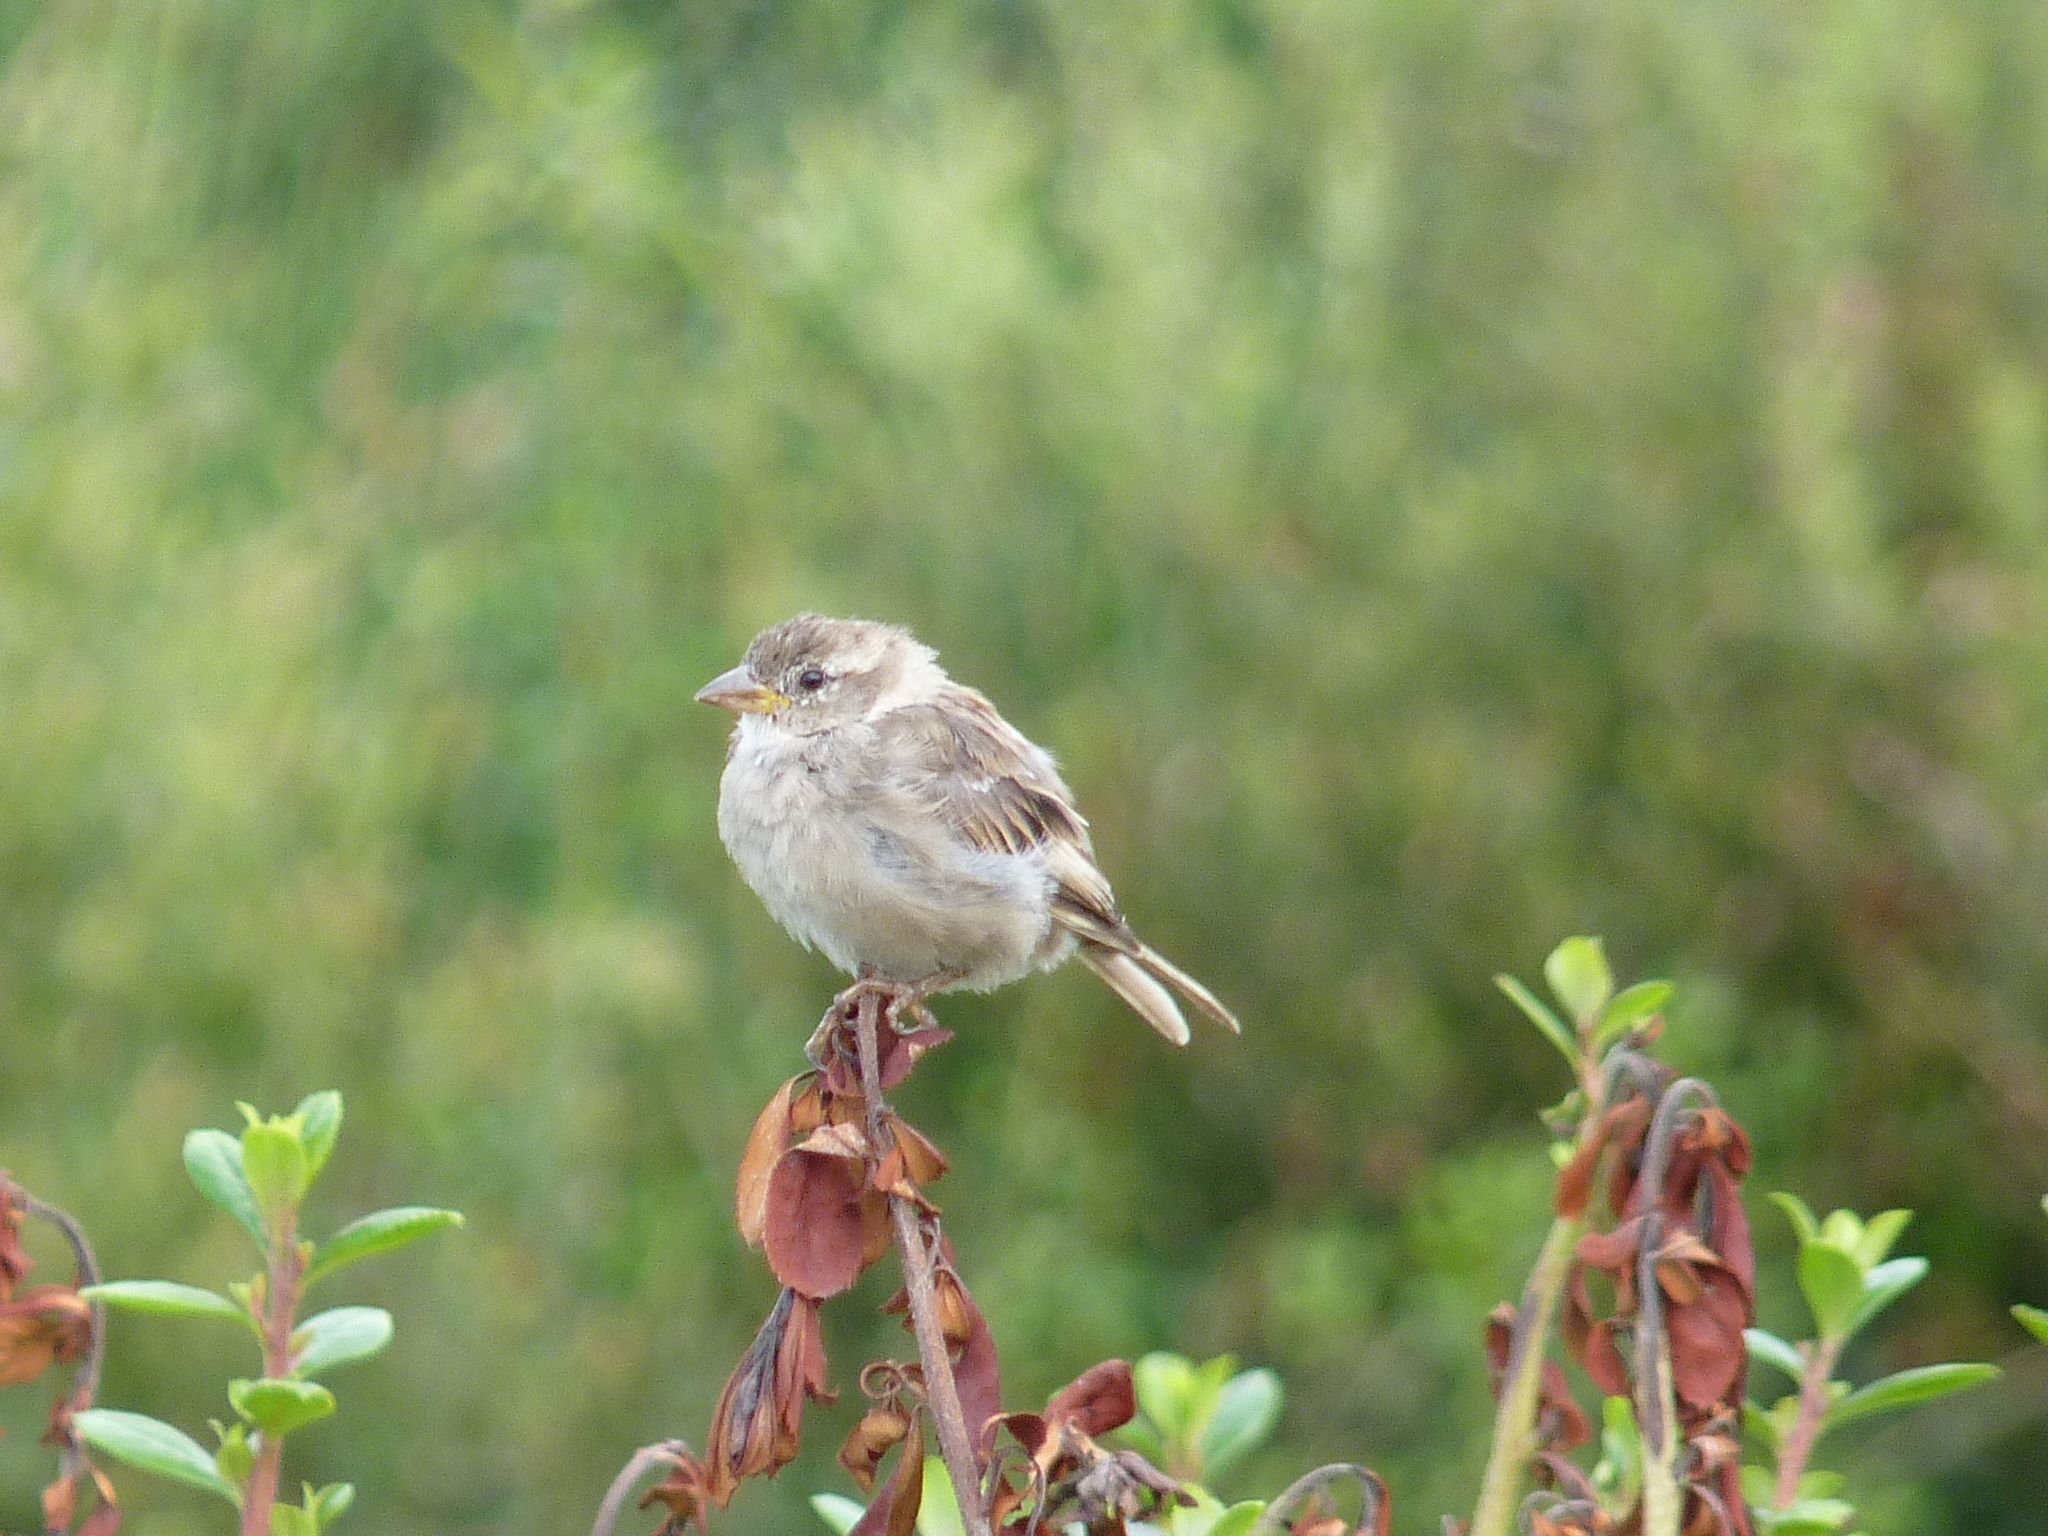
x: 811, y: 679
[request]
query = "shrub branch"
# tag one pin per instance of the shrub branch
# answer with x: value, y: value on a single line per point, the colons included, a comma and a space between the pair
x: 942, y: 1392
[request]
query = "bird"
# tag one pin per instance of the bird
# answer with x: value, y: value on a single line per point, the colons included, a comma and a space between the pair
x: 892, y: 819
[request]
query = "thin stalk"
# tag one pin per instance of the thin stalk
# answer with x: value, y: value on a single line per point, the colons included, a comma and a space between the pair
x: 1514, y: 1425
x: 649, y: 1458
x: 1372, y: 1495
x: 942, y: 1392
x: 85, y: 1386
x: 1821, y: 1359
x: 280, y: 1311
x: 1521, y: 1394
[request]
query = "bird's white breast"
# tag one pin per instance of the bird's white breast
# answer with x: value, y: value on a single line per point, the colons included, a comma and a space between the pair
x: 853, y: 869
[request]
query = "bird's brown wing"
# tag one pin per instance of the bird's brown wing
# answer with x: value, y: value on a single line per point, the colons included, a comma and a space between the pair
x: 999, y: 793
x: 995, y: 791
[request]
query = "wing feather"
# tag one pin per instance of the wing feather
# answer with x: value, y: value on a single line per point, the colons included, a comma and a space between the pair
x: 1000, y: 793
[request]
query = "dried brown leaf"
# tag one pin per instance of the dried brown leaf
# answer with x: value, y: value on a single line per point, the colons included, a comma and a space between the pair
x: 878, y: 1433
x: 770, y: 1139
x: 1100, y: 1399
x: 821, y: 1219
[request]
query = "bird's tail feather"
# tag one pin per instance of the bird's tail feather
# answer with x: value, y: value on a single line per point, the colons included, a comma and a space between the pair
x: 1137, y: 978
x: 1135, y: 985
x: 1188, y: 987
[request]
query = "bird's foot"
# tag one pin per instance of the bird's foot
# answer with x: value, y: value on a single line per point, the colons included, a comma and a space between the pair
x: 903, y: 1008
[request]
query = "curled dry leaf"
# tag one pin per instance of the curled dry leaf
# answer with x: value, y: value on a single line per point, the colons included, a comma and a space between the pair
x: 1072, y: 1476
x: 43, y: 1326
x: 1100, y: 1399
x: 977, y: 1373
x: 895, y: 1512
x: 879, y: 1432
x: 758, y: 1426
x: 685, y: 1492
x: 911, y: 1163
x: 771, y: 1138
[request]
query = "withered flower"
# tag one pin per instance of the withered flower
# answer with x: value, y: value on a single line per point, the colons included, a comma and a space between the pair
x: 43, y: 1326
x: 758, y: 1425
x: 1674, y: 1187
x: 685, y: 1491
x: 1068, y: 1474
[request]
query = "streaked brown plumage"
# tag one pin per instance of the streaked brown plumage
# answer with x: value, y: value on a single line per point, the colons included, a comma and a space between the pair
x: 889, y: 816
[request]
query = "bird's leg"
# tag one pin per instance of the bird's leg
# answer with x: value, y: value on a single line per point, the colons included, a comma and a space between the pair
x: 899, y: 1000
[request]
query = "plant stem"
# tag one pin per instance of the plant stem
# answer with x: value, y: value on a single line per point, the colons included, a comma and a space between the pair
x: 648, y: 1458
x: 942, y: 1392
x: 1813, y: 1411
x: 1514, y: 1425
x: 1372, y: 1493
x: 280, y: 1311
x: 85, y: 1386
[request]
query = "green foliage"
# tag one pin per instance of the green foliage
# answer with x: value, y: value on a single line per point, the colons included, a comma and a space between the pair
x: 1848, y: 1279
x: 262, y: 1180
x: 152, y: 1446
x: 1197, y: 1422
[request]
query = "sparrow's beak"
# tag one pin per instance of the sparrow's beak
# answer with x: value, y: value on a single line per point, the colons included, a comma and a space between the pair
x: 737, y: 691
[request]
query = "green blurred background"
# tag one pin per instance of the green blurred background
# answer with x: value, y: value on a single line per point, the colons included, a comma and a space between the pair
x: 1441, y: 476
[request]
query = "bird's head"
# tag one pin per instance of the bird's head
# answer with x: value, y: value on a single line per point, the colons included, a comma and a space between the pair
x: 811, y: 674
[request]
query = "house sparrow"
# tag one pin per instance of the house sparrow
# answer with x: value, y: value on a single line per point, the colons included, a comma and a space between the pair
x: 891, y: 818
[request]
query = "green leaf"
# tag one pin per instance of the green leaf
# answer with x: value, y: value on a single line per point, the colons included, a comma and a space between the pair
x: 166, y: 1298
x: 1833, y: 1283
x: 338, y: 1337
x: 1844, y: 1229
x: 1799, y: 1212
x: 274, y: 1160
x: 151, y: 1445
x: 320, y: 1115
x: 837, y: 1511
x: 378, y: 1232
x: 1760, y: 1426
x: 1885, y: 1284
x: 1246, y: 1410
x: 1772, y: 1350
x: 1620, y: 1450
x: 1205, y: 1391
x: 290, y: 1520
x: 214, y: 1161
x: 2033, y: 1319
x: 1164, y: 1383
x: 1759, y: 1485
x: 1539, y: 1014
x: 1579, y: 978
x: 1907, y: 1388
x: 1809, y: 1517
x: 278, y: 1405
x: 332, y: 1502
x: 1632, y: 1007
x: 939, y: 1514
x: 1879, y: 1233
x: 1238, y: 1519
x: 235, y: 1459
